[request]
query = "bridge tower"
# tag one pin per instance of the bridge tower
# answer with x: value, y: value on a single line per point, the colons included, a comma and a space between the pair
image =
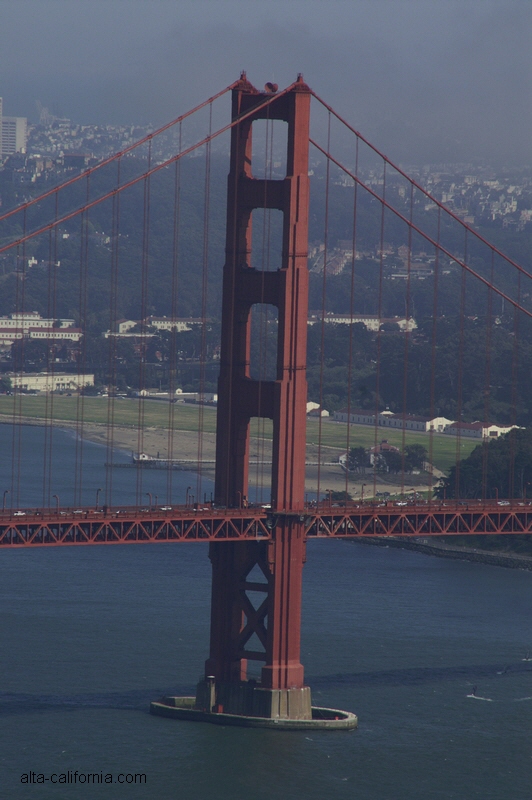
x: 267, y: 630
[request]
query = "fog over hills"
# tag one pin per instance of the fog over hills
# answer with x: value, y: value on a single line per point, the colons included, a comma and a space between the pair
x: 425, y: 81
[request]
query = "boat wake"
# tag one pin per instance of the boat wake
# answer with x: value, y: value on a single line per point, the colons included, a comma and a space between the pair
x: 477, y: 697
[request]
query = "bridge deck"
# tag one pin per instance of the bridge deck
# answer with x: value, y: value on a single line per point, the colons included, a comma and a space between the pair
x: 132, y: 525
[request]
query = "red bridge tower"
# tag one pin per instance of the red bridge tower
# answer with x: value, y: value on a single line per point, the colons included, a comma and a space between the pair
x: 281, y: 692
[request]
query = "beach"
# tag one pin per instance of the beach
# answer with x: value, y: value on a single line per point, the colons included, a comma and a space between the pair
x: 323, y: 470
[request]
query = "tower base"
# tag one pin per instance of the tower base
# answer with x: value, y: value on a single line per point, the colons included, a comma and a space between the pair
x: 322, y: 718
x: 249, y: 698
x: 248, y: 704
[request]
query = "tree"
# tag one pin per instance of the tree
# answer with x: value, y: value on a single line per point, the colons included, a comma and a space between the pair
x: 500, y: 468
x: 415, y: 456
x: 357, y: 460
x: 30, y: 355
x: 340, y: 497
x: 390, y: 461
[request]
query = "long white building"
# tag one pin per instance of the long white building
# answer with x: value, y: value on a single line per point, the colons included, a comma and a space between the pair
x: 48, y: 381
x: 386, y: 419
x: 370, y: 321
x: 410, y: 422
x: 30, y: 325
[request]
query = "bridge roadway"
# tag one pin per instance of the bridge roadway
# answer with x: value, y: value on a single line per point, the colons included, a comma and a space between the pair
x: 204, y: 523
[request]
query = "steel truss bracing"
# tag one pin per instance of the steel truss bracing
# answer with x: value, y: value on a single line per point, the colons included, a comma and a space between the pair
x: 253, y: 527
x: 130, y: 526
x: 431, y: 520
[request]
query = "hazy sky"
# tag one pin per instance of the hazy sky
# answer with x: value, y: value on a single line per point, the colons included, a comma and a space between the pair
x: 422, y: 79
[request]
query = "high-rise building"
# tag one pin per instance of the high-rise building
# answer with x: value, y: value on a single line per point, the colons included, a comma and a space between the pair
x: 14, y: 135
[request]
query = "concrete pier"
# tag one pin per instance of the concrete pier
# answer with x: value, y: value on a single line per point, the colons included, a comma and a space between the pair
x: 185, y: 708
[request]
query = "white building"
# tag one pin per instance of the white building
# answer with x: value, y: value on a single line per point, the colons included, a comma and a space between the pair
x: 56, y: 334
x: 410, y: 422
x: 14, y: 135
x: 125, y: 325
x: 32, y: 319
x: 478, y: 430
x: 30, y: 325
x: 371, y: 322
x: 178, y: 324
x: 355, y: 416
x: 49, y: 382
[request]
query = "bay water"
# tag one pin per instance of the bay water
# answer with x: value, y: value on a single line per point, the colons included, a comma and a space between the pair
x: 430, y: 653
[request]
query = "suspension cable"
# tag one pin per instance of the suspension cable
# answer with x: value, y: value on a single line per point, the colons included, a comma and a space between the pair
x: 429, y: 239
x: 117, y: 156
x: 143, y: 176
x: 417, y: 185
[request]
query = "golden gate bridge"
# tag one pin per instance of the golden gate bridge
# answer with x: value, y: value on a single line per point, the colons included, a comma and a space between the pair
x: 257, y: 549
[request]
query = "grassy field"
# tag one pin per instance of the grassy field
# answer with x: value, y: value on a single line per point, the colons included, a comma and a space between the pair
x: 95, y: 409
x: 186, y: 418
x: 334, y: 434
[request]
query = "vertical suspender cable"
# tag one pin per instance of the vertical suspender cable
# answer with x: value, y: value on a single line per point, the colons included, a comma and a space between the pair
x: 406, y: 342
x: 487, y: 378
x: 17, y: 427
x: 49, y: 362
x: 204, y: 287
x: 173, y: 356
x: 351, y: 314
x: 376, y: 452
x: 80, y: 405
x: 433, y: 352
x: 112, y: 340
x: 512, y: 488
x: 51, y: 395
x: 82, y: 237
x: 324, y: 297
x: 143, y: 320
x: 461, y: 342
x: 49, y: 399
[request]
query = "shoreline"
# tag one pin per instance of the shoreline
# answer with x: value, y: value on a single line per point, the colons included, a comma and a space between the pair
x: 331, y: 477
x: 154, y: 441
x: 460, y: 553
